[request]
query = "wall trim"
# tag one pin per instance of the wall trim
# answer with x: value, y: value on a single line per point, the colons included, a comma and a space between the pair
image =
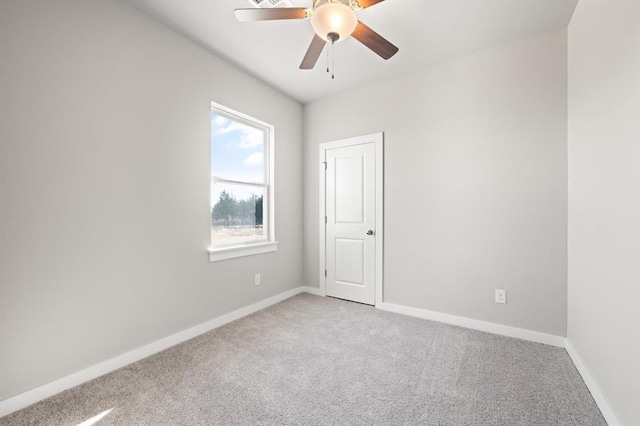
x: 489, y: 327
x: 32, y: 396
x: 313, y: 290
x: 601, y: 401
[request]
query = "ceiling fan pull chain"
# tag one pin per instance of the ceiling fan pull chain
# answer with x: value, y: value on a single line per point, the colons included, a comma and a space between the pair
x: 327, y: 60
x: 333, y: 66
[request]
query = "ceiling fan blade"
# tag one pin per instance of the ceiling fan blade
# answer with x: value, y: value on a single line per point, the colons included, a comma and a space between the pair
x: 374, y: 41
x: 366, y: 3
x: 313, y: 53
x: 253, y: 14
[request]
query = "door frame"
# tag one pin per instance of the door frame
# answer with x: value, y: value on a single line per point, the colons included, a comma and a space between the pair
x: 378, y: 140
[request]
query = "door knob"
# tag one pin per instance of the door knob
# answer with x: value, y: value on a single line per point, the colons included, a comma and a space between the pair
x: 370, y: 232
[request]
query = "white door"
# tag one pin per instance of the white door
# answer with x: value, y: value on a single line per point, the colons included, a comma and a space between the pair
x: 350, y: 222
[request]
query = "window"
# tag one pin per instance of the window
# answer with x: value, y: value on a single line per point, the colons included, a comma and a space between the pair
x: 242, y: 221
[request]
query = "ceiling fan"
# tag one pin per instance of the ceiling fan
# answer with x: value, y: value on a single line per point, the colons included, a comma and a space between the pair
x: 332, y: 21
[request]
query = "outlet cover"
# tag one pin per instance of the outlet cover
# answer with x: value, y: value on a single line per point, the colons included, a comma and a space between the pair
x: 501, y: 296
x: 257, y: 279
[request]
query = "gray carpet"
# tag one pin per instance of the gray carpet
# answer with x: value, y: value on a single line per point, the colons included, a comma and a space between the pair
x: 319, y: 361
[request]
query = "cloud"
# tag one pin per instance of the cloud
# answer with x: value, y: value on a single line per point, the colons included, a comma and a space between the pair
x: 220, y: 121
x: 251, y: 138
x: 247, y: 137
x: 222, y: 125
x: 254, y: 159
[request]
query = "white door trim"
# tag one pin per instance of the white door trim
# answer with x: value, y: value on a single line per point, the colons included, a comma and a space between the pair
x: 378, y: 140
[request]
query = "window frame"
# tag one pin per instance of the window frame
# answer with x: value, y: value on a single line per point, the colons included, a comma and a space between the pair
x: 269, y: 244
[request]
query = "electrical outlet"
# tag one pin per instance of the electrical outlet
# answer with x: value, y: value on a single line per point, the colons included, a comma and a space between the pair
x: 257, y: 279
x: 501, y: 296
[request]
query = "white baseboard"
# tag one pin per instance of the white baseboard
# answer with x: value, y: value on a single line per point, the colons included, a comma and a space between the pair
x: 32, y: 396
x: 598, y: 396
x: 312, y: 290
x: 489, y: 327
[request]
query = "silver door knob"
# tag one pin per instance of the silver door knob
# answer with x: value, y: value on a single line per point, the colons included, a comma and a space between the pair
x: 370, y: 232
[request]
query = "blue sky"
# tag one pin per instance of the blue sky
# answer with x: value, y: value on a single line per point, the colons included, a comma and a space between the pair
x: 237, y: 153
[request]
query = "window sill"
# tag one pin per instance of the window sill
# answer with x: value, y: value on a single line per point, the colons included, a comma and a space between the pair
x: 225, y: 253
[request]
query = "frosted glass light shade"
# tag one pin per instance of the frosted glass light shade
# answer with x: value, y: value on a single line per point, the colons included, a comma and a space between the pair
x: 334, y: 18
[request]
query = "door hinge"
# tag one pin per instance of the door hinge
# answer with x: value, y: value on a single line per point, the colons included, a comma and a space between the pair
x: 325, y: 219
x: 325, y: 165
x: 325, y: 273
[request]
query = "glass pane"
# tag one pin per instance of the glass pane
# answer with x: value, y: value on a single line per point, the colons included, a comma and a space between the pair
x: 237, y: 150
x: 237, y: 214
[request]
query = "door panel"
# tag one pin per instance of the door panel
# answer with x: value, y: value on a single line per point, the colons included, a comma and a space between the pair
x: 350, y: 213
x: 349, y: 271
x: 349, y: 194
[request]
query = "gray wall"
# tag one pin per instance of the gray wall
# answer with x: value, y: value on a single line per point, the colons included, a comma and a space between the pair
x: 105, y: 187
x: 475, y: 182
x: 604, y: 198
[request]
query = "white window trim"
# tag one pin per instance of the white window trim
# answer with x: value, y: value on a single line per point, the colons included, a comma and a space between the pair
x: 270, y: 244
x: 224, y: 253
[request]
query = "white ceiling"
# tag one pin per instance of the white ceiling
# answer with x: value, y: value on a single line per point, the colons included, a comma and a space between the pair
x: 426, y: 31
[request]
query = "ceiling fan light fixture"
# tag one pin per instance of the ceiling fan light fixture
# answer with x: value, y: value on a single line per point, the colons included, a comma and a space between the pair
x: 331, y: 19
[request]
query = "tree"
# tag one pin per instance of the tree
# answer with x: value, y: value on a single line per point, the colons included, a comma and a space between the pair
x: 258, y: 210
x: 225, y: 208
x: 246, y: 210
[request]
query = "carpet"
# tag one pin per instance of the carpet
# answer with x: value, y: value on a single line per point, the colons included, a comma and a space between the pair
x: 311, y: 360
